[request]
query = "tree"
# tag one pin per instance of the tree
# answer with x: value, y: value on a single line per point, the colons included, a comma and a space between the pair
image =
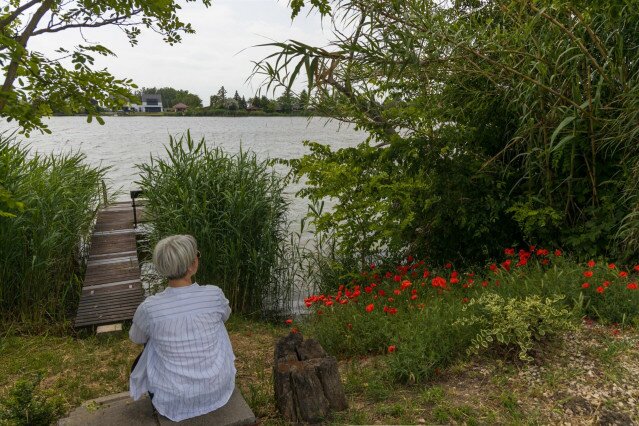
x: 489, y: 123
x: 35, y: 85
x: 303, y: 100
x: 242, y: 103
x: 171, y: 96
x: 222, y: 94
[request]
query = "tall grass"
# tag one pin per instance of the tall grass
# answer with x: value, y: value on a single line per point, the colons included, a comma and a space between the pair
x: 40, y: 248
x: 233, y: 205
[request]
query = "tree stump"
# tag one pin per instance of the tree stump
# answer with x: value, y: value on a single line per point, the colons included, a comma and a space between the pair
x: 307, y: 384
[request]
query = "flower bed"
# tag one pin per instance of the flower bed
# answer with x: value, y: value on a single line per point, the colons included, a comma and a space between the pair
x: 416, y: 312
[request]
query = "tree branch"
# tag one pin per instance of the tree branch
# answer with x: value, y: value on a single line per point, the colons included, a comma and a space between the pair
x: 13, y: 15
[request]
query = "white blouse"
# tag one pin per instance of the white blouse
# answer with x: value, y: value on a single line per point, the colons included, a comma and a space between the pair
x: 188, y: 361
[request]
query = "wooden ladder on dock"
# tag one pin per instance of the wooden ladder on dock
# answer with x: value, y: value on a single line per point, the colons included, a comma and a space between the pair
x: 112, y: 289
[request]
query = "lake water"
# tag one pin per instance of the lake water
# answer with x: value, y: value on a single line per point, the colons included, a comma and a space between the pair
x: 123, y: 142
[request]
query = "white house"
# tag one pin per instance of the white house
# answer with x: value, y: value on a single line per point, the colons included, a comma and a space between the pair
x: 150, y: 103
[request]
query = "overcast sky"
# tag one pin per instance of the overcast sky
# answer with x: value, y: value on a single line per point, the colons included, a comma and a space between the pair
x: 218, y: 54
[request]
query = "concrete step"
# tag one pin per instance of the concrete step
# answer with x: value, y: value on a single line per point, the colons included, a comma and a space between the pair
x: 120, y: 409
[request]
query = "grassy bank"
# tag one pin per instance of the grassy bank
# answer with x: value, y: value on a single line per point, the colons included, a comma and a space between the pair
x: 592, y: 364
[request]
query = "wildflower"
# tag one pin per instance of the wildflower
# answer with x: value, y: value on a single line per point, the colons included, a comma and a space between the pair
x: 587, y: 274
x: 294, y: 330
x: 320, y: 312
x: 368, y: 289
x: 406, y: 284
x: 509, y: 251
x: 632, y: 286
x: 465, y: 300
x: 615, y: 332
x: 506, y: 264
x: 392, y: 311
x: 448, y: 265
x: 585, y: 285
x: 558, y: 253
x: 600, y: 289
x: 454, y: 280
x: 611, y: 266
x: 349, y: 326
x: 623, y: 274
x: 591, y: 263
x: 426, y: 273
x: 397, y: 292
x: 369, y: 308
x: 328, y: 303
x: 493, y: 267
x: 392, y: 348
x: 541, y: 252
x: 606, y: 284
x: 289, y: 321
x: 545, y: 261
x: 439, y: 282
x: 636, y: 268
x: 382, y: 293
x: 385, y: 308
x: 388, y: 274
x: 410, y: 258
x: 372, y: 266
x: 391, y: 300
x: 343, y: 301
x: 484, y: 283
x: 413, y: 297
x: 397, y: 278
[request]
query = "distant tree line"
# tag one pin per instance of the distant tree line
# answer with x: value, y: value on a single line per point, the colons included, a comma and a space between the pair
x: 286, y: 103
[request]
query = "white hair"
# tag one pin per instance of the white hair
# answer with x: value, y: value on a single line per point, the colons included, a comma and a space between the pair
x: 173, y: 255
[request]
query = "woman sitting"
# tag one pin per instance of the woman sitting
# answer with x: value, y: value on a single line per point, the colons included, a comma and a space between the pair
x: 187, y: 364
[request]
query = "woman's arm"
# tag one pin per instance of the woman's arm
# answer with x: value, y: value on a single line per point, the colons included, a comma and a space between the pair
x: 139, y: 329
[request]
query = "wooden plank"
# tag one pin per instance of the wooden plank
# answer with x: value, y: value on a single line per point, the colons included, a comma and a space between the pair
x: 112, y: 289
x: 108, y: 328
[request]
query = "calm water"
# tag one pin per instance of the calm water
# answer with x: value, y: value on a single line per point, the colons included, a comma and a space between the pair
x: 123, y: 142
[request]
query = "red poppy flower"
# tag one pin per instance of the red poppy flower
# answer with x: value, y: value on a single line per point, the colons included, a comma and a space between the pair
x: 558, y: 253
x: 545, y: 261
x: 369, y: 308
x: 391, y: 300
x: 484, y: 283
x: 426, y: 274
x: 600, y: 289
x: 493, y: 267
x: 465, y: 300
x: 636, y: 268
x: 623, y: 274
x: 506, y: 264
x: 591, y: 263
x: 509, y: 251
x: 541, y: 252
x: 368, y: 289
x: 410, y: 258
x: 289, y: 321
x: 382, y: 293
x: 406, y: 284
x: 454, y: 280
x: 397, y: 292
x: 320, y: 312
x: 585, y: 285
x: 343, y: 301
x: 611, y: 266
x: 397, y: 278
x: 413, y: 297
x: 372, y: 266
x: 448, y: 265
x: 606, y: 284
x: 294, y: 330
x: 388, y: 274
x: 392, y: 348
x: 587, y: 274
x: 439, y: 282
x: 632, y: 286
x: 392, y: 311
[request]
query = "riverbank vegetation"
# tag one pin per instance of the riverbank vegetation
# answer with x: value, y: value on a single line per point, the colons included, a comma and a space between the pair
x: 234, y: 206
x: 43, y: 242
x: 491, y: 123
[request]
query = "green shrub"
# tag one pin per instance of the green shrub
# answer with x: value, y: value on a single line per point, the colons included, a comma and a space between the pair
x: 41, y: 246
x: 520, y: 323
x: 234, y: 206
x: 25, y: 406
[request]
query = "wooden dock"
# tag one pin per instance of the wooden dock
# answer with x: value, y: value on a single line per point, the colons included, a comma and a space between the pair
x: 112, y: 289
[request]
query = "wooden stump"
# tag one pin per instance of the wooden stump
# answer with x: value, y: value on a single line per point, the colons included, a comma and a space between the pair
x: 307, y: 384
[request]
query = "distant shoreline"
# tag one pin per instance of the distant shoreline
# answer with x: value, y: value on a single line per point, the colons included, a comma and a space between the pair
x: 201, y: 114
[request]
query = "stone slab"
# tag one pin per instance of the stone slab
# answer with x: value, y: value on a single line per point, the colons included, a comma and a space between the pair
x: 236, y: 412
x: 120, y: 409
x: 108, y: 328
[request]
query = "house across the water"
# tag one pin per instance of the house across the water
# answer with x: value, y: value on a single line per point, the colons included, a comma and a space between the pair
x: 150, y: 103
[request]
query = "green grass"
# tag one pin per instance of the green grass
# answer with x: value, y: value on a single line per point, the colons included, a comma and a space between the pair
x: 41, y: 247
x: 234, y: 206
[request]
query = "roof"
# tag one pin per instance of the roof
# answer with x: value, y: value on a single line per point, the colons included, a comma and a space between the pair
x: 147, y: 97
x: 180, y: 105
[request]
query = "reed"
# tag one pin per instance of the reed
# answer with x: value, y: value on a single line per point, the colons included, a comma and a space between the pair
x: 41, y: 247
x: 234, y: 206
